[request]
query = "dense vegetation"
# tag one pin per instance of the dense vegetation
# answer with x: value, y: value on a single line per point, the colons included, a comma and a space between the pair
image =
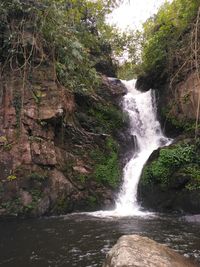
x: 163, y: 35
x: 182, y: 158
x: 165, y: 42
x: 72, y: 34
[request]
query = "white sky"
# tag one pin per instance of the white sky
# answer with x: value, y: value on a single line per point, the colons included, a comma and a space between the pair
x: 134, y: 12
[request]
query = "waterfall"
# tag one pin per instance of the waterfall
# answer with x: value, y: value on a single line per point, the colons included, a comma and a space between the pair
x: 147, y: 133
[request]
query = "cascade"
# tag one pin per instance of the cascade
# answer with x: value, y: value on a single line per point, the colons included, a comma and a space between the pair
x: 147, y: 133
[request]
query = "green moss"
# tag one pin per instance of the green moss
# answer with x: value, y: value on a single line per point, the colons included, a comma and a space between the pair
x: 4, y: 143
x: 3, y: 139
x: 109, y: 118
x: 92, y: 201
x: 17, y: 103
x: 13, y: 206
x: 193, y: 172
x: 82, y: 178
x: 183, y: 124
x: 37, y: 176
x: 38, y: 95
x: 35, y: 139
x: 170, y: 160
x: 36, y: 197
x: 11, y: 178
x: 107, y: 170
x: 61, y: 205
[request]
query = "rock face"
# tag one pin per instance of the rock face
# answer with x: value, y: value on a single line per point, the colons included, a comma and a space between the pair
x: 183, y: 105
x: 177, y: 106
x: 138, y: 251
x: 170, y: 179
x: 52, y: 141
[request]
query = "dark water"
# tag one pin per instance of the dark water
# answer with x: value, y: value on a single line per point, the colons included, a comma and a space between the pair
x: 82, y: 241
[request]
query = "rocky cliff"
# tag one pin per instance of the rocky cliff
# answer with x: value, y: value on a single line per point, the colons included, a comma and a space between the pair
x: 55, y: 143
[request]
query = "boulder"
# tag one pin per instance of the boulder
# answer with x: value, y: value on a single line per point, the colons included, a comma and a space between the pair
x: 169, y: 182
x: 138, y: 251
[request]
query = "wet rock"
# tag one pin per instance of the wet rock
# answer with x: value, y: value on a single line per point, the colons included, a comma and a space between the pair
x: 43, y: 153
x: 138, y: 251
x: 80, y: 169
x: 31, y: 112
x: 59, y: 185
x: 116, y: 88
x: 6, y: 164
x: 178, y: 191
x: 21, y: 153
x: 50, y: 113
x: 145, y: 83
x: 158, y: 199
x: 25, y: 197
x: 42, y: 207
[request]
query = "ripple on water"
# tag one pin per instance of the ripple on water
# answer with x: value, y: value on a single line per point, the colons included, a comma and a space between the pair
x: 82, y: 240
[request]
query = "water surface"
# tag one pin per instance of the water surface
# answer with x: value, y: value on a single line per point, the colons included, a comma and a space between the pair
x: 81, y: 240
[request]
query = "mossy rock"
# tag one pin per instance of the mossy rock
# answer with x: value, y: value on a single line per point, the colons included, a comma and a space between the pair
x: 170, y: 181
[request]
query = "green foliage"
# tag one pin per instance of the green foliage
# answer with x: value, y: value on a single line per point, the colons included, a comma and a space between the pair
x: 12, y: 177
x: 169, y: 160
x: 61, y: 205
x: 36, y: 196
x: 109, y: 117
x: 92, y: 201
x: 37, y: 139
x: 38, y: 97
x: 107, y: 169
x: 37, y: 177
x: 162, y: 33
x: 13, y: 206
x: 183, y: 124
x: 193, y: 171
x: 4, y: 143
x: 3, y: 139
x: 17, y: 103
x: 81, y: 177
x: 73, y: 35
x: 128, y: 48
x: 156, y: 49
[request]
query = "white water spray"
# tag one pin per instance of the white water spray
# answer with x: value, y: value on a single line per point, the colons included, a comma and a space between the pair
x: 146, y: 131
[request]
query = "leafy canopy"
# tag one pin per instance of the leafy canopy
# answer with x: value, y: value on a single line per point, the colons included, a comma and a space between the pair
x: 73, y: 34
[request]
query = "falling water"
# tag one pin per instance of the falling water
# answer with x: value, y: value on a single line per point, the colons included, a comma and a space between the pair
x: 147, y: 133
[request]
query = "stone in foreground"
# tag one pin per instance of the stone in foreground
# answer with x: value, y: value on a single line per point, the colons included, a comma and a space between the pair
x: 138, y: 251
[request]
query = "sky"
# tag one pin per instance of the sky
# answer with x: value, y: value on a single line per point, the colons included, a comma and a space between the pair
x: 133, y: 13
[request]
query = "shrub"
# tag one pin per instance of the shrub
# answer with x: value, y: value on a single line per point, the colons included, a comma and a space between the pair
x: 169, y: 160
x: 107, y: 170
